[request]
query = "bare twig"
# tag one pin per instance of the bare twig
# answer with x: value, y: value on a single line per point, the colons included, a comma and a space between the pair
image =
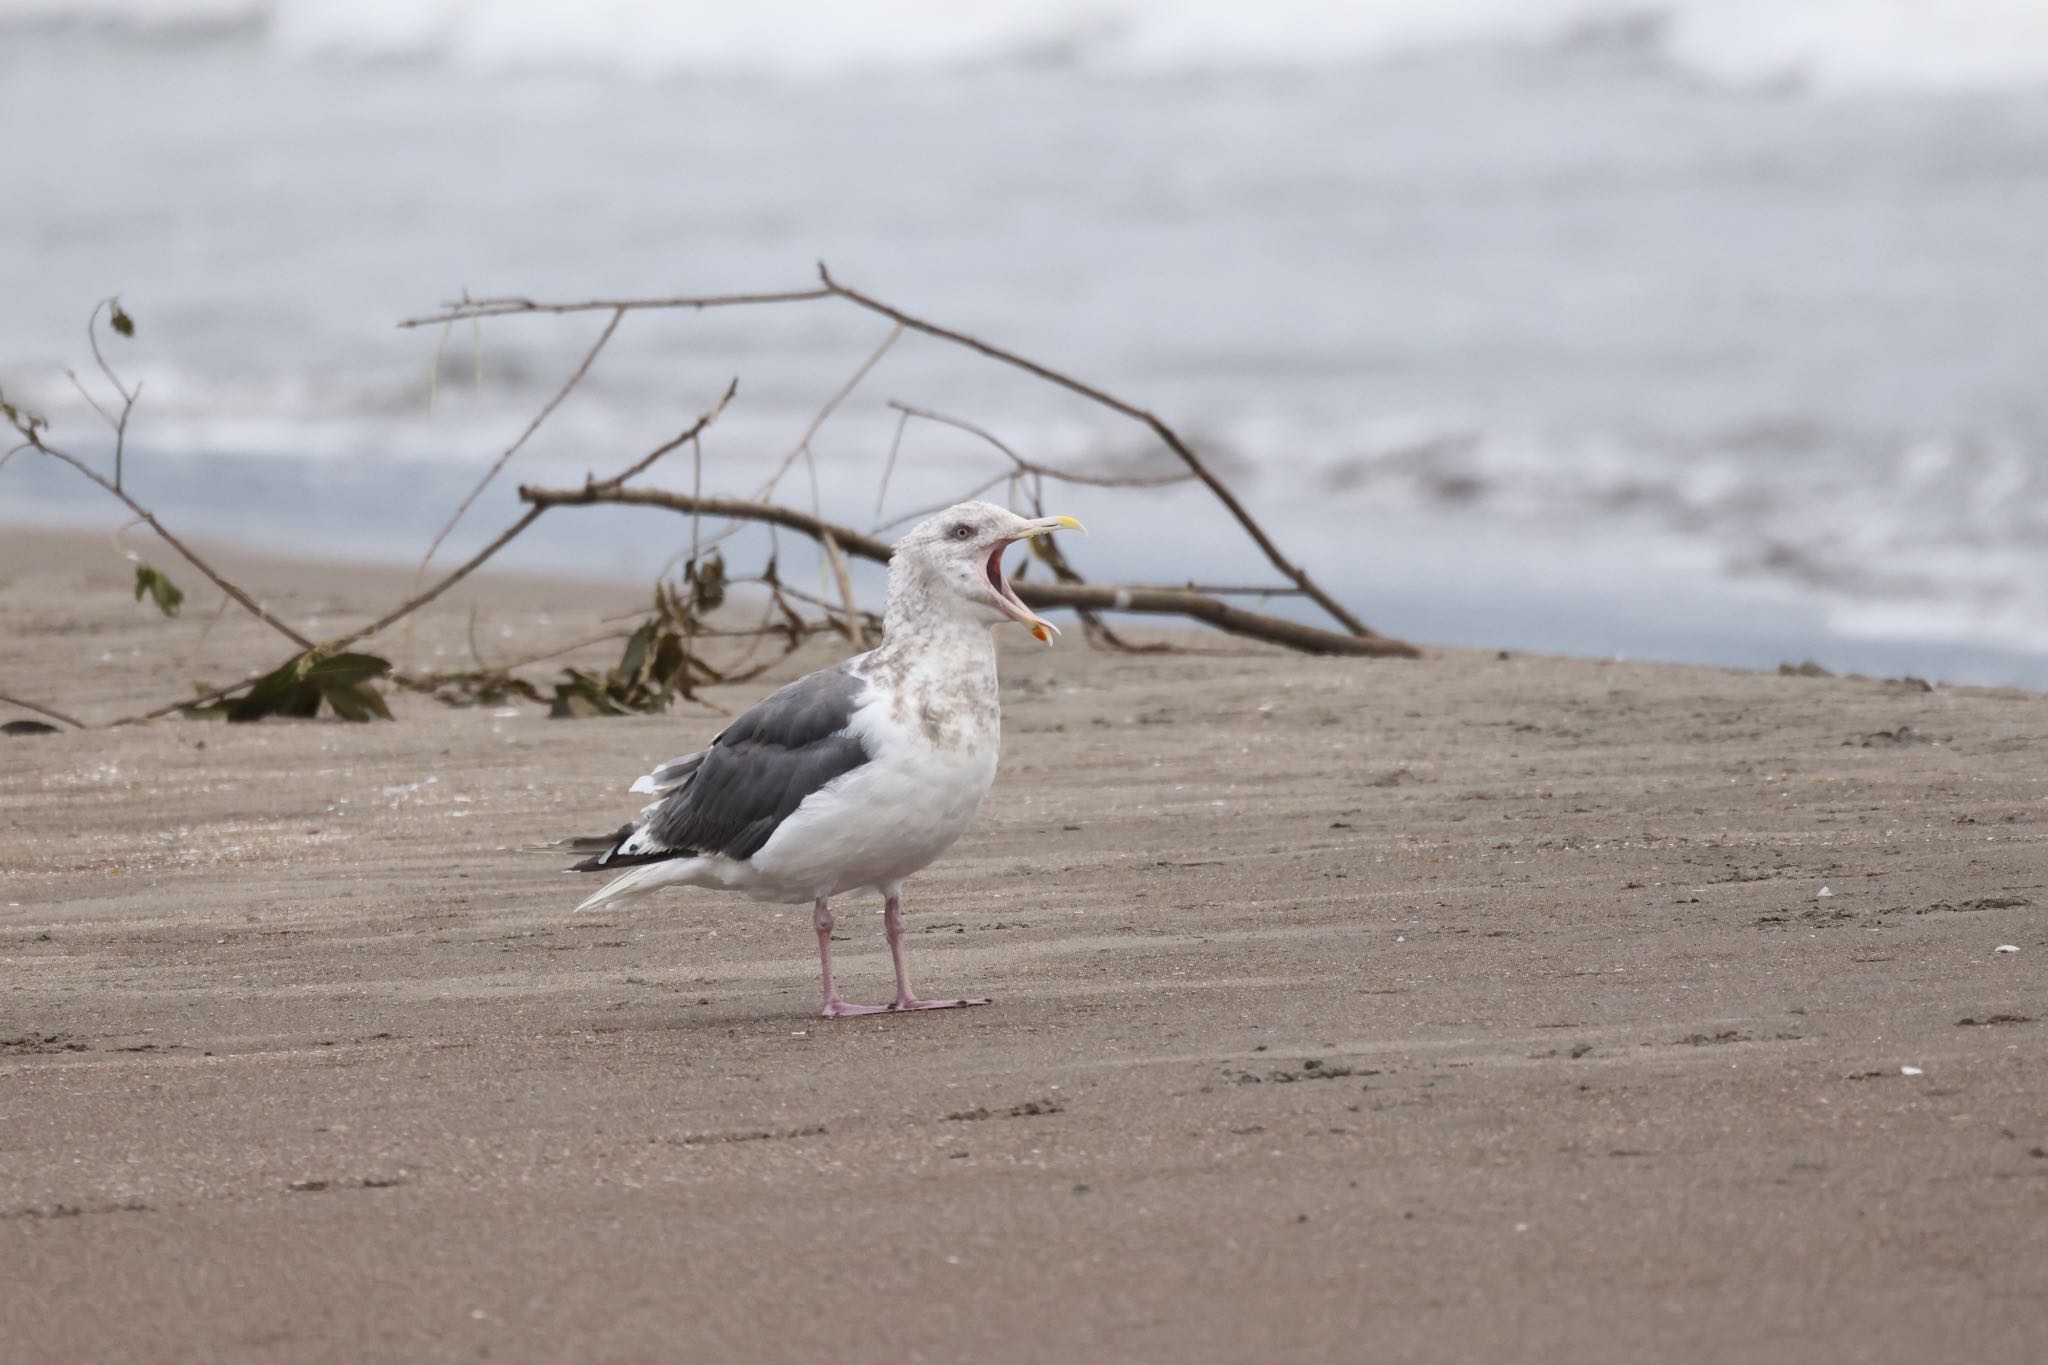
x: 199, y: 645
x: 1080, y: 596
x: 801, y: 450
x: 112, y: 421
x: 803, y: 445
x: 484, y: 668
x: 428, y: 681
x: 404, y: 609
x: 690, y: 434
x: 505, y: 537
x: 849, y: 620
x: 475, y: 652
x: 1033, y: 466
x: 568, y: 386
x: 434, y: 366
x: 1032, y: 474
x: 696, y: 490
x: 418, y: 600
x: 31, y: 430
x: 502, y: 307
x: 421, y: 599
x: 148, y: 518
x: 1159, y: 428
x: 889, y: 465
x: 128, y: 396
x: 791, y: 632
x: 187, y: 703
x: 812, y: 599
x: 52, y: 712
x: 1036, y: 474
x: 970, y: 495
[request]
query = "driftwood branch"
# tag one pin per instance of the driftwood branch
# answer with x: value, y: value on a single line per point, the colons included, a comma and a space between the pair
x: 1165, y: 601
x: 1027, y: 478
x: 730, y: 509
x: 454, y: 576
x: 832, y: 288
x: 1159, y: 428
x: 1211, y: 611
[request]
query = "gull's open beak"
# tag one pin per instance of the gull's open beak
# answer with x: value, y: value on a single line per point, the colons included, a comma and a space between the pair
x: 1006, y: 596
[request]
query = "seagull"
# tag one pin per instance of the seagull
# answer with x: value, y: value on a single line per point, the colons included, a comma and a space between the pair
x: 857, y: 776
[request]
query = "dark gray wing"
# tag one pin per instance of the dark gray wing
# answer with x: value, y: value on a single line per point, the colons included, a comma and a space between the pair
x: 668, y: 776
x: 730, y: 798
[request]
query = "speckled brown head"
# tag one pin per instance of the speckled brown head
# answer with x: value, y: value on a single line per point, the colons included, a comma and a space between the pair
x: 960, y: 551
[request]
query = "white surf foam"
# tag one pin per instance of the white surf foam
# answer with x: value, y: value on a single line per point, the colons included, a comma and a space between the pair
x: 1833, y: 47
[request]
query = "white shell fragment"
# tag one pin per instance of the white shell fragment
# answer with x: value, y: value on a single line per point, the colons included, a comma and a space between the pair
x: 1822, y: 894
x: 1911, y: 1071
x: 2006, y: 948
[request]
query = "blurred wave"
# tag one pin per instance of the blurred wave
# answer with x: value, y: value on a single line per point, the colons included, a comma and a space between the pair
x: 1828, y: 46
x: 1565, y: 323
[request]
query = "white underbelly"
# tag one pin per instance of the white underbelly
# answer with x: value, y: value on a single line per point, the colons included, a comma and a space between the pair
x: 879, y: 823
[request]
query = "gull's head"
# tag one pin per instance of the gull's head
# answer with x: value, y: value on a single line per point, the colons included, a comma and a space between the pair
x: 960, y: 552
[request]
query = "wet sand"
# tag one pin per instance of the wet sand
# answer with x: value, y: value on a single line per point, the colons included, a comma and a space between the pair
x: 1475, y: 1008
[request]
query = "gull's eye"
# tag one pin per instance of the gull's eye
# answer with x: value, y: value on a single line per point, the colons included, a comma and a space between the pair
x: 961, y: 531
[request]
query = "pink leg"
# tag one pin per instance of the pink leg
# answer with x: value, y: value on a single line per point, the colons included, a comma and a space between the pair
x: 892, y: 924
x: 835, y: 1008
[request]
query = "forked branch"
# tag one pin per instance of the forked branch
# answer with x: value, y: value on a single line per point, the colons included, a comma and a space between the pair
x: 1164, y: 601
x: 1159, y: 428
x: 832, y: 288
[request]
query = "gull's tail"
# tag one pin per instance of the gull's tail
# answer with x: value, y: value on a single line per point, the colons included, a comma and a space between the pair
x: 638, y: 881
x: 637, y: 846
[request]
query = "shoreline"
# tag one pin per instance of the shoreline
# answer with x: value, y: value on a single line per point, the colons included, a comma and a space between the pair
x: 1438, y: 577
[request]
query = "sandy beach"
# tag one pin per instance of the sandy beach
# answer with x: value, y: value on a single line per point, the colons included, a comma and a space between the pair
x: 1477, y: 1008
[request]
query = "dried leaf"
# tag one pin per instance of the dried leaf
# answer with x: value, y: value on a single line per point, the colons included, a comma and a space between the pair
x: 357, y: 702
x: 578, y: 699
x: 671, y: 663
x: 167, y: 595
x: 339, y: 670
x: 707, y: 580
x: 634, y: 661
x: 301, y: 684
x: 655, y: 666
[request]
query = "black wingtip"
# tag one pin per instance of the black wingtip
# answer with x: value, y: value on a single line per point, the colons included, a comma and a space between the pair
x: 598, y: 846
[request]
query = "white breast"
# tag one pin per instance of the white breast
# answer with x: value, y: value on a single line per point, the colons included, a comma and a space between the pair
x: 935, y: 737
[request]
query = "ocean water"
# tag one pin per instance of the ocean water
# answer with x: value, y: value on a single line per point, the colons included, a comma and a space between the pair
x: 1710, y: 331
